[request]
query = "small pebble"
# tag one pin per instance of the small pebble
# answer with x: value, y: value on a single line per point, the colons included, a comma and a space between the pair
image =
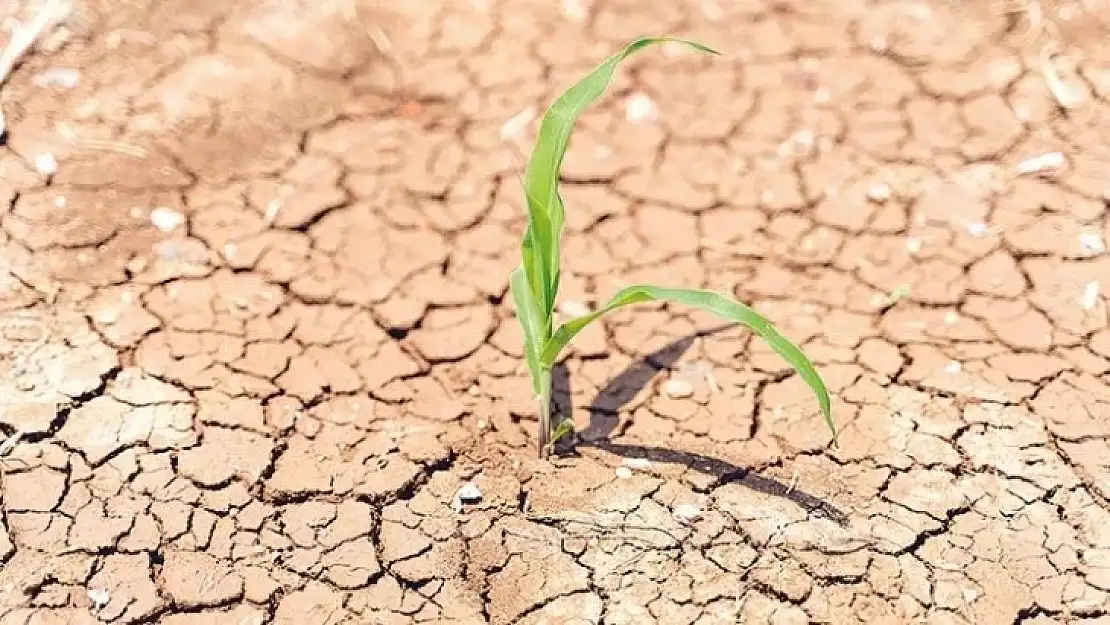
x: 639, y: 108
x: 273, y: 207
x: 953, y: 367
x: 637, y: 463
x: 517, y: 123
x: 46, y: 164
x: 108, y: 316
x: 913, y: 245
x: 166, y: 219
x: 99, y: 597
x: 687, y: 512
x: 64, y: 77
x: 574, y: 11
x: 1092, y: 242
x: 573, y: 308
x: 1090, y: 295
x: 977, y: 229
x: 878, y: 192
x: 469, y: 494
x: 1041, y: 163
x: 678, y: 389
x: 624, y: 473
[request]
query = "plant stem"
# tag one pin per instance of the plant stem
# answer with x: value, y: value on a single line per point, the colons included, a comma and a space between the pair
x: 545, y: 412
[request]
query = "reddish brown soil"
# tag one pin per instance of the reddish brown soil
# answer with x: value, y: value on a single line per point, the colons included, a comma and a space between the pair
x: 264, y: 413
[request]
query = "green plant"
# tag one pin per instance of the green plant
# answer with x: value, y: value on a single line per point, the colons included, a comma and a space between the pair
x: 535, y: 282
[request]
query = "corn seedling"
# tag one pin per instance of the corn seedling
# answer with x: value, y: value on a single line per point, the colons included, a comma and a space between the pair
x: 535, y: 282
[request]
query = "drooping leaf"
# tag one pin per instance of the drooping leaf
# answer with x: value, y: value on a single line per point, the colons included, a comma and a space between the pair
x: 531, y: 323
x: 545, y: 206
x: 708, y: 301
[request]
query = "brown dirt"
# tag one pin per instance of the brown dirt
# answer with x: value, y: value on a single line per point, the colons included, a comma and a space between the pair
x: 256, y: 333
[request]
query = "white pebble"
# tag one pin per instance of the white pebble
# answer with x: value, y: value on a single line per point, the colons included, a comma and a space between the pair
x: 687, y: 512
x: 953, y: 367
x: 272, y: 209
x: 517, y: 123
x: 639, y: 108
x: 99, y: 597
x: 637, y: 463
x: 977, y: 228
x: 60, y: 201
x: 574, y: 11
x: 913, y: 245
x: 1092, y: 242
x: 1041, y: 163
x: 573, y: 308
x: 46, y: 164
x: 469, y: 493
x: 166, y: 219
x: 108, y: 316
x: 64, y: 77
x: 878, y: 192
x: 951, y: 317
x: 624, y: 473
x: 678, y: 389
x: 1090, y: 294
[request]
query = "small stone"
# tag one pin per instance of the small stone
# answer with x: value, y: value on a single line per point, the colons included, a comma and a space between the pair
x: 46, y: 164
x: 60, y: 201
x: 913, y: 245
x: 953, y: 367
x: 639, y: 108
x: 678, y: 389
x: 166, y: 219
x: 99, y: 597
x: 137, y: 265
x: 951, y: 317
x: 64, y: 77
x: 1090, y: 295
x: 108, y: 316
x: 1042, y: 163
x: 273, y: 207
x: 624, y: 473
x: 517, y: 123
x: 469, y: 494
x: 573, y: 308
x: 574, y: 10
x: 687, y: 513
x: 637, y: 463
x: 977, y: 228
x: 1092, y: 242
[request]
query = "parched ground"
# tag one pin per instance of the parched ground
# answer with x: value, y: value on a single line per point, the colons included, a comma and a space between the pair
x: 256, y: 332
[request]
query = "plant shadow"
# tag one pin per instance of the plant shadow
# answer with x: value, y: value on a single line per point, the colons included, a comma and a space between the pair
x: 606, y: 405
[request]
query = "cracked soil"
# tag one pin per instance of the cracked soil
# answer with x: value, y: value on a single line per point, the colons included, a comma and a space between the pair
x: 256, y: 335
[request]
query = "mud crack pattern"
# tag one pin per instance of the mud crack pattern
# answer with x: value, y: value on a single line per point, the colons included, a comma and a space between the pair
x: 256, y: 334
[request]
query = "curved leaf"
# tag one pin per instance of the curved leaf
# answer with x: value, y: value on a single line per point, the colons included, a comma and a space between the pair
x: 545, y: 206
x: 531, y: 322
x: 708, y: 301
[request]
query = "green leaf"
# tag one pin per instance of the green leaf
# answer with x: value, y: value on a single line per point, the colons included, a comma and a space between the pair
x: 708, y: 301
x: 531, y: 322
x: 545, y: 205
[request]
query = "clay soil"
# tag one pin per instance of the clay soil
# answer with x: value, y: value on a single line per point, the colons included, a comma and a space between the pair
x: 256, y: 334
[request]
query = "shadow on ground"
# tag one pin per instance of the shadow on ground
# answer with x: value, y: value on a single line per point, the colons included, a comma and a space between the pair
x: 623, y: 387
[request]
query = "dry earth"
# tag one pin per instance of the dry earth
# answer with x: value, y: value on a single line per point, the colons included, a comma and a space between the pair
x: 256, y: 333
